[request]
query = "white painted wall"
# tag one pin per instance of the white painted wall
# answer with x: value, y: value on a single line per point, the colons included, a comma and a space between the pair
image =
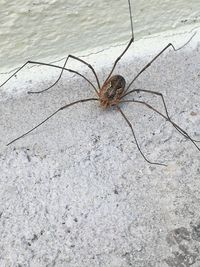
x: 51, y: 29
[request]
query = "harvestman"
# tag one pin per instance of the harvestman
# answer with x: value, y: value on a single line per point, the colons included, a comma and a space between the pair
x: 112, y: 92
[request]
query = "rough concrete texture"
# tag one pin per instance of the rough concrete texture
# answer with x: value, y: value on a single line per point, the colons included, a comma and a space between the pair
x: 77, y: 193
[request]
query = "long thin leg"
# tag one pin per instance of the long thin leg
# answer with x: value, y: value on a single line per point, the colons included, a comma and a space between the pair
x: 116, y: 61
x: 131, y: 19
x: 63, y: 68
x: 149, y: 92
x: 165, y: 106
x: 49, y: 65
x: 66, y: 106
x: 181, y: 131
x: 130, y: 125
x: 130, y: 42
x: 149, y: 64
x: 89, y: 66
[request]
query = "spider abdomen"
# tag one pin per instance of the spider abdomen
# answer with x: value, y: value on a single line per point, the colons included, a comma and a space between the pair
x: 112, y: 91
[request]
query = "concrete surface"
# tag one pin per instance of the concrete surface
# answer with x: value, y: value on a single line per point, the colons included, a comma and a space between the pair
x: 49, y: 29
x: 77, y: 193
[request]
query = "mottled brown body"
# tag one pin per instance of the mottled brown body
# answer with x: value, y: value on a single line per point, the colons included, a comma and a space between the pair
x: 112, y: 91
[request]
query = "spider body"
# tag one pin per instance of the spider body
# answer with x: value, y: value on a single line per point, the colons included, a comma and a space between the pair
x: 112, y: 91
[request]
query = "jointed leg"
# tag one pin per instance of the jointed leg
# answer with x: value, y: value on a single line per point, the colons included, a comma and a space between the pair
x: 149, y: 64
x: 116, y: 61
x: 150, y: 92
x: 181, y: 131
x: 63, y: 68
x: 165, y: 106
x: 49, y: 65
x: 89, y: 66
x: 127, y: 47
x: 66, y: 106
x: 130, y: 125
x: 131, y: 19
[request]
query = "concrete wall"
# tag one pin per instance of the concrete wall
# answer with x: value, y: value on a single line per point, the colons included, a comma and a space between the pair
x: 76, y: 191
x: 50, y: 29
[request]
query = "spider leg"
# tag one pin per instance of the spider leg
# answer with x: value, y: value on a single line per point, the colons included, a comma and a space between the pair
x: 89, y: 66
x: 181, y: 131
x: 131, y: 18
x: 149, y: 64
x: 63, y: 107
x: 164, y: 103
x: 130, y: 42
x: 63, y: 68
x: 50, y: 65
x: 116, y: 61
x: 130, y: 125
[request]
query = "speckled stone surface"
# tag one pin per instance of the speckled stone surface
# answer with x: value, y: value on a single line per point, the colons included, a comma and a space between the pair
x: 77, y: 193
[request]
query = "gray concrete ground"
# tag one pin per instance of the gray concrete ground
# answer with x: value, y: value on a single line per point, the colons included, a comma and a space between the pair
x: 77, y: 193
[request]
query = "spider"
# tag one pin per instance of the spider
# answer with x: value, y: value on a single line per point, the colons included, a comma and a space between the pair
x: 112, y: 92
